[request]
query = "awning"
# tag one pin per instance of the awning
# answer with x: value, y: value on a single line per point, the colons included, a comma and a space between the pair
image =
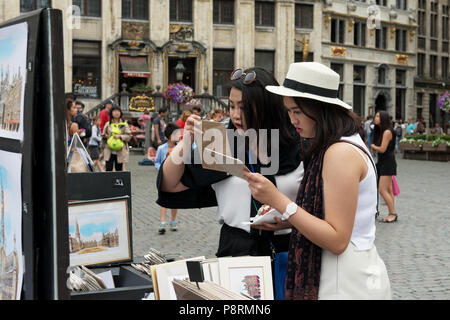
x: 134, y: 67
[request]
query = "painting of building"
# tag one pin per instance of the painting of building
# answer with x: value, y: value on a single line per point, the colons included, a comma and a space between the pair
x: 10, y: 235
x: 13, y: 71
x: 252, y: 286
x: 10, y: 98
x: 82, y: 246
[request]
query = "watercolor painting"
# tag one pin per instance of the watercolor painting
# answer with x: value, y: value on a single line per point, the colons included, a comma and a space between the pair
x: 98, y: 232
x: 11, y: 263
x: 247, y: 281
x: 13, y: 74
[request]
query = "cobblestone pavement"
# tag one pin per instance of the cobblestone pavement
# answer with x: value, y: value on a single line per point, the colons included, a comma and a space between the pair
x: 416, y: 249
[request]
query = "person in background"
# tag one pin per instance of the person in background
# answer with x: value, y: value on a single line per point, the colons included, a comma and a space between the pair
x: 105, y: 113
x: 173, y: 136
x: 411, y: 128
x: 368, y: 130
x: 71, y: 126
x: 146, y: 116
x: 207, y: 116
x: 94, y: 144
x: 217, y: 115
x: 420, y: 126
x: 398, y: 133
x: 181, y: 122
x: 116, y: 158
x: 437, y: 129
x: 84, y: 123
x: 159, y: 125
x: 197, y: 110
x: 384, y: 144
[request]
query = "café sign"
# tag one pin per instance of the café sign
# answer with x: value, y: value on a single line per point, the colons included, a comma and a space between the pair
x: 141, y: 103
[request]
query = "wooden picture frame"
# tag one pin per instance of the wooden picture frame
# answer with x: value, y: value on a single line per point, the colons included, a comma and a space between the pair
x: 99, y: 231
x: 251, y: 276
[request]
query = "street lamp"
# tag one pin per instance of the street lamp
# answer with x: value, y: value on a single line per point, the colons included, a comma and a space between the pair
x: 179, y: 69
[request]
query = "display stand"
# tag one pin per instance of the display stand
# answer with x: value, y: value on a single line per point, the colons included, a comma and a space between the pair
x: 130, y: 283
x: 42, y: 149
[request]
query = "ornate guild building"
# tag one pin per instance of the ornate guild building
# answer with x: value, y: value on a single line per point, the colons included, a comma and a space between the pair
x: 391, y: 54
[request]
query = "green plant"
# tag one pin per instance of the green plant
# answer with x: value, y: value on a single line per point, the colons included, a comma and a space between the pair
x: 141, y: 88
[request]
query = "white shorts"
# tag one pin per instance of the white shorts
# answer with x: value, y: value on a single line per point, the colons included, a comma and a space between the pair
x: 354, y: 275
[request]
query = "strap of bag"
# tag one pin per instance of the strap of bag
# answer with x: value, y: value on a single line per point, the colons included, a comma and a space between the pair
x: 373, y: 164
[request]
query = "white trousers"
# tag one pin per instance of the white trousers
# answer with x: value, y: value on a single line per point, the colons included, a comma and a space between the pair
x: 354, y: 275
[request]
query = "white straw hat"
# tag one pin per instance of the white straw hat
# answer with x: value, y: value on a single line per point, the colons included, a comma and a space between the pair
x: 311, y: 80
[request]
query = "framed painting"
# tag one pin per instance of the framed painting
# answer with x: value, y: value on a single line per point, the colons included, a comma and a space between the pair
x: 99, y: 232
x: 250, y: 276
x: 11, y: 262
x: 13, y: 77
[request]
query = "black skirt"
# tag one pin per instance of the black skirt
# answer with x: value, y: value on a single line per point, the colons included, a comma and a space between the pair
x: 386, y: 165
x: 94, y: 152
x: 236, y: 242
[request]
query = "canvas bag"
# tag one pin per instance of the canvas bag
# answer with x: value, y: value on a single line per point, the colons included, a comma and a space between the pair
x: 113, y: 143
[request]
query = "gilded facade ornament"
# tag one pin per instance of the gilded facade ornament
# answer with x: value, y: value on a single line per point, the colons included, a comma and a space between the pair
x: 393, y: 29
x: 135, y: 30
x: 181, y: 33
x: 327, y: 21
x: 401, y: 58
x: 351, y: 23
x: 305, y: 43
x: 338, y: 51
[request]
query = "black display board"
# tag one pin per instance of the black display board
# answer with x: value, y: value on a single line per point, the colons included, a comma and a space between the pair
x: 43, y: 178
x: 102, y: 185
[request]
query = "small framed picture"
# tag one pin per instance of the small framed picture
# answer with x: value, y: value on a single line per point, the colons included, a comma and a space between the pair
x: 99, y: 232
x: 164, y: 274
x: 250, y: 276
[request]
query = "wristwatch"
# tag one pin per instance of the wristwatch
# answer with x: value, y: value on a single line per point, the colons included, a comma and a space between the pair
x: 290, y: 210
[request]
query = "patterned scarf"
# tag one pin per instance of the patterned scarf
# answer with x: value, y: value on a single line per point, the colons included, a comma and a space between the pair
x: 304, y: 259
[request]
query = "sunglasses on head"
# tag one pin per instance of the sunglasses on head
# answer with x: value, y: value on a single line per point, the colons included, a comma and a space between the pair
x: 248, y: 77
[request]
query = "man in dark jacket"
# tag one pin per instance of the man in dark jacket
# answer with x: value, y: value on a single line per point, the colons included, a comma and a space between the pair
x: 83, y: 122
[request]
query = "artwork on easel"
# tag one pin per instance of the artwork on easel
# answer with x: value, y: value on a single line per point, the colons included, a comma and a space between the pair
x: 13, y: 71
x: 11, y: 264
x: 78, y: 159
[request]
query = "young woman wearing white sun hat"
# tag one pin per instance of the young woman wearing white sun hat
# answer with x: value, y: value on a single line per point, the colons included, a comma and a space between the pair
x: 332, y: 253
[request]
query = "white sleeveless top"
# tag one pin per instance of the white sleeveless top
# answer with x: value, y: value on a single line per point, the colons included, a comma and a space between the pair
x: 234, y: 198
x: 363, y: 234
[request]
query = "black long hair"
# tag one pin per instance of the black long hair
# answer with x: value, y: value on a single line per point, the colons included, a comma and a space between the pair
x: 263, y: 109
x: 332, y: 122
x: 385, y: 124
x: 116, y: 107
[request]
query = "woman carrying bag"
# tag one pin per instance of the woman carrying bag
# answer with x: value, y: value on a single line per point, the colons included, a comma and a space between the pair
x: 117, y: 134
x: 384, y: 144
x: 331, y: 253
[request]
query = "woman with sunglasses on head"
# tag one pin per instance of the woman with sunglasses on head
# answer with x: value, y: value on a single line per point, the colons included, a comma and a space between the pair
x: 331, y: 252
x: 384, y: 144
x: 191, y: 186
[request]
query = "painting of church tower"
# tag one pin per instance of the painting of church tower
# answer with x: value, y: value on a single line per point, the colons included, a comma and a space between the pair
x: 8, y: 262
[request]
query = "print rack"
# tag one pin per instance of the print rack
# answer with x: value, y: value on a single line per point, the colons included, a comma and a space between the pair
x: 32, y: 116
